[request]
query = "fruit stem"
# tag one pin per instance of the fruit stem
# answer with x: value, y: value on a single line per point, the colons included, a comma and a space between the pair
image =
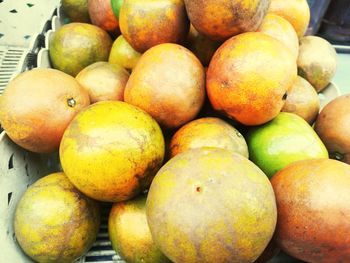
x: 71, y: 102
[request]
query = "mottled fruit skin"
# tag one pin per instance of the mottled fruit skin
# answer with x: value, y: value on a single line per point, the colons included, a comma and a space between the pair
x: 112, y: 150
x: 313, y: 210
x: 302, y: 100
x: 286, y: 139
x: 77, y: 45
x: 168, y: 83
x: 242, y: 86
x: 221, y: 19
x: 297, y: 12
x: 54, y: 222
x: 76, y: 10
x: 146, y: 23
x: 103, y: 81
x: 208, y: 132
x: 211, y: 205
x: 202, y: 46
x: 123, y: 54
x: 280, y: 29
x: 37, y: 106
x: 130, y: 235
x: 317, y: 61
x: 333, y: 127
x: 102, y: 15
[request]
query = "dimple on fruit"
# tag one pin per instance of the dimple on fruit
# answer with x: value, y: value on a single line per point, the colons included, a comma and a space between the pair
x: 112, y: 150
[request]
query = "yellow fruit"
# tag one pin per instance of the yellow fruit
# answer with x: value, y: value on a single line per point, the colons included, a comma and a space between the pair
x: 54, y: 222
x: 112, y: 150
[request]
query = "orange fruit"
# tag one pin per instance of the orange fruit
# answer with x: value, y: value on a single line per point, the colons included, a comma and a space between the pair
x: 77, y: 45
x: 221, y: 19
x: 102, y: 15
x: 146, y: 23
x: 103, y: 81
x: 249, y: 76
x: 123, y: 54
x: 280, y: 29
x: 208, y: 132
x: 37, y: 106
x: 297, y: 12
x: 130, y: 235
x: 211, y: 205
x: 54, y: 222
x: 313, y: 210
x: 302, y: 100
x: 112, y: 150
x: 168, y: 83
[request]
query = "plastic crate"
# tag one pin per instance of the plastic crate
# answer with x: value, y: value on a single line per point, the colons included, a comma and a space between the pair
x: 20, y: 168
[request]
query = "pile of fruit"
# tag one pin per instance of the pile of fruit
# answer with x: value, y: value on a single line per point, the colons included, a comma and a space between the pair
x: 194, y: 118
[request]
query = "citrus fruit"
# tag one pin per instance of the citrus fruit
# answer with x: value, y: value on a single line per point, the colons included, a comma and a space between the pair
x: 242, y: 86
x: 103, y: 81
x: 112, y: 150
x: 37, y: 106
x: 77, y: 45
x: 208, y: 132
x: 76, y: 10
x: 54, y: 222
x: 130, y: 234
x: 211, y: 205
x: 146, y: 23
x: 168, y: 83
x: 221, y: 19
x: 313, y: 210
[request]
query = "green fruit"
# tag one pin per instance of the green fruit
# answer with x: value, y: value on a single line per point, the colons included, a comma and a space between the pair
x: 284, y: 140
x: 123, y: 54
x: 77, y: 45
x: 116, y: 5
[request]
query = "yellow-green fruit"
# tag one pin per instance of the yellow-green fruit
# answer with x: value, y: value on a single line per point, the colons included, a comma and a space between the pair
x: 54, y: 222
x: 77, y: 45
x: 103, y: 81
x: 112, y: 150
x: 208, y: 132
x: 317, y: 61
x: 130, y: 234
x: 123, y: 54
x: 211, y: 205
x: 76, y: 10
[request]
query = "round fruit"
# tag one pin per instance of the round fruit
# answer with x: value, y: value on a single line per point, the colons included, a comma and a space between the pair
x: 211, y: 205
x: 146, y: 23
x: 123, y: 54
x: 54, y: 222
x: 37, y: 106
x: 333, y: 127
x: 203, y: 47
x: 103, y: 81
x: 221, y: 19
x: 317, y: 61
x: 241, y: 85
x: 270, y: 251
x: 76, y: 10
x: 130, y: 234
x: 284, y: 140
x: 102, y: 15
x: 280, y: 29
x: 297, y: 12
x: 302, y: 100
x: 116, y: 6
x: 313, y: 210
x: 77, y: 45
x: 112, y: 150
x: 208, y: 132
x: 168, y: 83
